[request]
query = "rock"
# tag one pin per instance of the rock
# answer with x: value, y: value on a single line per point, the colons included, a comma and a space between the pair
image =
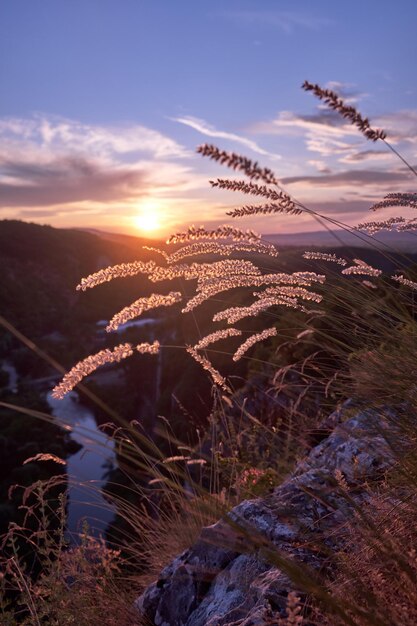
x: 229, y: 578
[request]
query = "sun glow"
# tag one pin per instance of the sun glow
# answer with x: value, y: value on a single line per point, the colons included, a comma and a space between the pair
x: 149, y: 218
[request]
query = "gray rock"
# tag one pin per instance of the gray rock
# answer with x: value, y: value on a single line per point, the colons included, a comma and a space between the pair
x: 228, y: 577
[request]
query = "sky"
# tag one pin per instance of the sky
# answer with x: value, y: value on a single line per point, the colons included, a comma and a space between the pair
x: 103, y: 103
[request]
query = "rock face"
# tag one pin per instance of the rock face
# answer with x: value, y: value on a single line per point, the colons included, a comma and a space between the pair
x: 229, y: 578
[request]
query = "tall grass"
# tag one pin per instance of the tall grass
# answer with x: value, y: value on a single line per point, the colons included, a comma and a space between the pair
x: 338, y: 328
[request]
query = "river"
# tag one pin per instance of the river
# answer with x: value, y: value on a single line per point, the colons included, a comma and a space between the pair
x: 87, y: 468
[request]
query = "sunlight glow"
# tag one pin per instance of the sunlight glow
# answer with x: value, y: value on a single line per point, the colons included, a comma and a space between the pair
x: 149, y: 218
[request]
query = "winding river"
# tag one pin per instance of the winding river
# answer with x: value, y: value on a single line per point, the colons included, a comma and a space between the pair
x: 87, y: 468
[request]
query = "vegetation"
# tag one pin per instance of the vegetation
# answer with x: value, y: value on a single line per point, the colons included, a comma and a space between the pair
x: 341, y: 324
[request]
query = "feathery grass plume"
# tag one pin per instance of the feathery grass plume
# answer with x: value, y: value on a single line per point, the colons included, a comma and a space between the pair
x: 280, y: 197
x: 268, y: 332
x: 408, y: 225
x: 143, y: 304
x: 404, y: 281
x: 280, y: 299
x: 287, y: 301
x: 207, y: 271
x: 45, y: 456
x: 175, y: 459
x: 324, y: 256
x: 148, y: 348
x: 305, y: 333
x: 222, y: 232
x: 158, y: 250
x: 367, y: 283
x: 115, y: 271
x: 336, y: 103
x: 408, y: 200
x: 234, y: 281
x: 238, y: 162
x: 217, y: 336
x: 197, y: 462
x: 215, y: 374
x: 305, y: 279
x: 292, y: 292
x: 204, y: 271
x: 374, y: 227
x: 266, y: 209
x: 267, y: 299
x: 236, y: 313
x: 160, y: 273
x: 89, y: 365
x: 221, y: 249
x: 361, y: 268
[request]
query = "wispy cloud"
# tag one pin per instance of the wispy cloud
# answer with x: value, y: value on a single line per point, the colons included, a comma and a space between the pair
x: 59, y: 134
x: 344, y: 207
x: 367, y: 155
x: 329, y: 135
x: 206, y: 129
x: 47, y: 162
x: 67, y: 180
x: 285, y: 21
x: 288, y: 122
x: 320, y: 166
x: 400, y: 126
x: 353, y: 177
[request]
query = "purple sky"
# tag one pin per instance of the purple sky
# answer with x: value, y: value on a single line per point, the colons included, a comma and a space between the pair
x: 103, y: 103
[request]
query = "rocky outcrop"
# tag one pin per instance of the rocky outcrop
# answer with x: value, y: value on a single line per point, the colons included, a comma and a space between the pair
x: 240, y: 571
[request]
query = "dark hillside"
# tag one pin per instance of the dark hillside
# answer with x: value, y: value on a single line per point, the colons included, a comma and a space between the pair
x: 41, y: 267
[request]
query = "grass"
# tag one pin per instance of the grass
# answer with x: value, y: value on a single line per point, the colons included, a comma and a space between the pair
x: 337, y: 329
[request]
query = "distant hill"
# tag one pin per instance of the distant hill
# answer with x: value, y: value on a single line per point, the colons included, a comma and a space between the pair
x: 404, y: 242
x: 130, y: 241
x: 41, y: 267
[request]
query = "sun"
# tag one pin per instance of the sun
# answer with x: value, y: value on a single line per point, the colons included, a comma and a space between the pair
x: 148, y: 222
x: 149, y: 218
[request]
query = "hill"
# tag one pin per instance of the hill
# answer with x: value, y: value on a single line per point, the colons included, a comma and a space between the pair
x: 400, y: 242
x: 41, y: 267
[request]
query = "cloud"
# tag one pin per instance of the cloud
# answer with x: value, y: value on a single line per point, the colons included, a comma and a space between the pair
x: 286, y: 21
x: 352, y: 177
x: 341, y: 207
x: 47, y: 162
x: 69, y: 180
x: 324, y: 132
x: 367, y: 155
x: 400, y: 126
x: 206, y: 129
x: 320, y: 166
x: 327, y: 122
x: 58, y: 134
x: 328, y: 134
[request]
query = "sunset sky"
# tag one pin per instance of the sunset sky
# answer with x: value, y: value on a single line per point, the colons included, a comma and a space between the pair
x: 103, y: 103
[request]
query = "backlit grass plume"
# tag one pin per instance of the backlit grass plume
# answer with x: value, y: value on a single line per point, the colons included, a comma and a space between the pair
x: 89, y: 365
x: 239, y: 162
x: 135, y: 309
x: 269, y: 289
x: 349, y: 112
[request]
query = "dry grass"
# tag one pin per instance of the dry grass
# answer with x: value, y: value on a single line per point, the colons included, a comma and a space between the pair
x: 354, y: 347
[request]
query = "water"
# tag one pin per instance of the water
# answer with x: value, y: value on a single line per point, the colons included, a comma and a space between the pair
x: 11, y: 370
x: 87, y: 469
